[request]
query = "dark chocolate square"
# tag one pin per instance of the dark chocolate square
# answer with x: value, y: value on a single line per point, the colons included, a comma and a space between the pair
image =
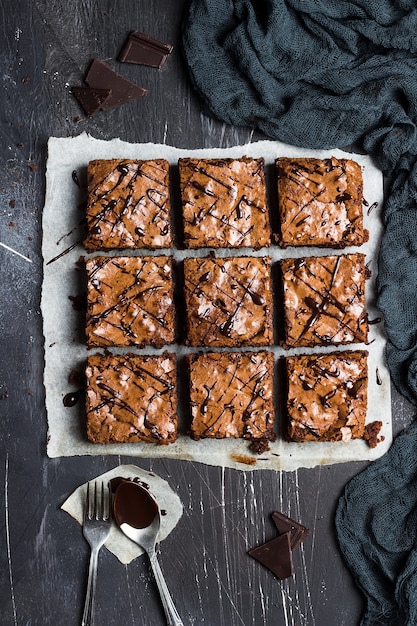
x: 276, y: 556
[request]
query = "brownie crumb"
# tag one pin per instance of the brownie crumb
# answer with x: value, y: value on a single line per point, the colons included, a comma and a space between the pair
x: 76, y: 378
x: 79, y: 302
x: 371, y: 433
x: 259, y: 446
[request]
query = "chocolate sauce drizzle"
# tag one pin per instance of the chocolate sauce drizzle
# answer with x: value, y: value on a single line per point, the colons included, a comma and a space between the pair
x: 234, y: 216
x: 119, y: 198
x: 304, y: 187
x: 75, y: 178
x: 342, y: 392
x: 323, y: 303
x: 218, y: 308
x: 64, y: 252
x: 138, y: 291
x: 152, y: 385
x: 71, y: 399
x: 239, y: 397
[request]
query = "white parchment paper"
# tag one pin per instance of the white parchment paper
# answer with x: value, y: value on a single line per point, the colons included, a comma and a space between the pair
x: 65, y: 349
x: 168, y: 502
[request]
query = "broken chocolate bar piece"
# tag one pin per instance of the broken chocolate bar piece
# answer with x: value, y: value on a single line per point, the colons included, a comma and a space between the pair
x: 285, y: 524
x: 101, y: 76
x: 91, y: 100
x: 144, y: 50
x: 276, y: 556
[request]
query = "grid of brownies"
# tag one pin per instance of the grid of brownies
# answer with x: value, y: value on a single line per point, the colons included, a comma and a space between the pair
x: 229, y: 316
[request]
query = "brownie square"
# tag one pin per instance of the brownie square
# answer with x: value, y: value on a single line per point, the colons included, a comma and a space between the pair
x: 327, y: 396
x: 131, y: 398
x: 224, y: 203
x: 130, y: 301
x: 231, y: 395
x: 128, y: 205
x: 324, y: 300
x: 228, y: 301
x: 320, y: 202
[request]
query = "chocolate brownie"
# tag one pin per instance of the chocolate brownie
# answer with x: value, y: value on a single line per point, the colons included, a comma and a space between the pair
x: 131, y: 398
x: 324, y: 300
x: 130, y: 301
x: 320, y: 202
x: 327, y: 396
x: 128, y: 205
x: 224, y: 203
x: 228, y: 301
x: 231, y: 395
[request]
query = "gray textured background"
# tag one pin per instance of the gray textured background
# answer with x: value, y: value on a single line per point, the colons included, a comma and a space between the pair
x: 46, y: 47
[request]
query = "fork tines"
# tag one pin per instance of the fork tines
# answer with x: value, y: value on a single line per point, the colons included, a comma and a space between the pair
x: 98, y: 505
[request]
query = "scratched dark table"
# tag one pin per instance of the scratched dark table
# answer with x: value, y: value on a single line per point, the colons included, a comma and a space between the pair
x: 46, y: 47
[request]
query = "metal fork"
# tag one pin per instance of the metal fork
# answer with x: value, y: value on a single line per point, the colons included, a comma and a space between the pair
x: 96, y: 529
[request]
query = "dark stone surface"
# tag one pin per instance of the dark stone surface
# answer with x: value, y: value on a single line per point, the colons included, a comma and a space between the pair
x: 46, y: 49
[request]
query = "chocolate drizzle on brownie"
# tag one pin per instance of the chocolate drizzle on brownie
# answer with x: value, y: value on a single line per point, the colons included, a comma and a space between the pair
x: 131, y: 398
x: 224, y: 202
x: 130, y: 301
x: 327, y: 396
x: 228, y: 301
x: 239, y: 402
x: 324, y: 300
x: 320, y: 202
x: 129, y: 205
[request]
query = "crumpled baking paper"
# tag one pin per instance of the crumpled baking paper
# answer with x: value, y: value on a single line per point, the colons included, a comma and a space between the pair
x: 65, y: 350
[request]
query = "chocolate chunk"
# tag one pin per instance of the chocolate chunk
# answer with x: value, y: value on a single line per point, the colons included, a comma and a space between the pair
x: 275, y: 555
x: 101, y: 76
x: 371, y: 432
x: 259, y: 446
x: 91, y: 99
x: 144, y: 50
x: 285, y: 524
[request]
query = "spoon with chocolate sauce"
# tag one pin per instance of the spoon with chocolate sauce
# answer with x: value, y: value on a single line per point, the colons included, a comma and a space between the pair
x: 138, y: 516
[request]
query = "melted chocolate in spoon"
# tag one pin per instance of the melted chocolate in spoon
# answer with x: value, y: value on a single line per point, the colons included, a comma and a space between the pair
x: 134, y: 505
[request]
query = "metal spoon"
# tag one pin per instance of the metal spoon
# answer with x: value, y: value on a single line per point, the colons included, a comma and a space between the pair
x: 138, y: 516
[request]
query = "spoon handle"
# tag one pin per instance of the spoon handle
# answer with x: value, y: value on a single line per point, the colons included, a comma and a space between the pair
x: 173, y: 619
